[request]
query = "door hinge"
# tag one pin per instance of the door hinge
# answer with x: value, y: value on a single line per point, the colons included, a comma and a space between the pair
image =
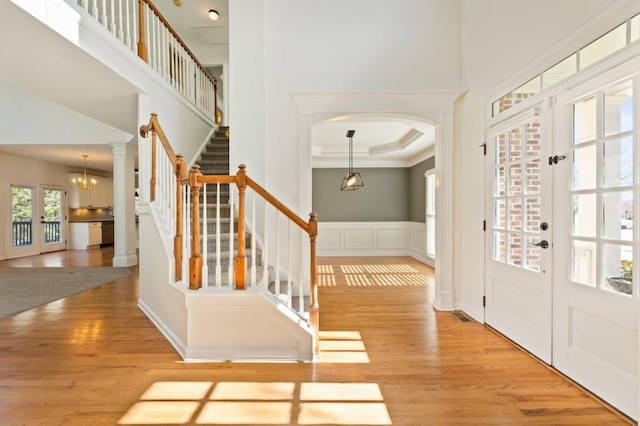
x: 484, y: 225
x: 484, y: 301
x: 554, y: 160
x: 484, y: 148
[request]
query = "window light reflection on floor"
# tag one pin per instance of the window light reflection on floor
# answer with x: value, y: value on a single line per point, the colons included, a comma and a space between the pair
x: 257, y: 403
x: 395, y: 275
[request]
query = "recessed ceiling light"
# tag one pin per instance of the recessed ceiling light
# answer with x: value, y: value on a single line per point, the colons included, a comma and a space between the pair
x: 214, y: 15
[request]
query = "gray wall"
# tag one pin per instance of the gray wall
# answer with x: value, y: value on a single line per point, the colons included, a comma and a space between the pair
x: 418, y: 189
x: 388, y: 195
x: 384, y: 197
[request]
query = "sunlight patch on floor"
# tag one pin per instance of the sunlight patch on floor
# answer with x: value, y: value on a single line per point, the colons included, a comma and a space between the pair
x: 341, y: 347
x: 372, y: 276
x: 257, y: 403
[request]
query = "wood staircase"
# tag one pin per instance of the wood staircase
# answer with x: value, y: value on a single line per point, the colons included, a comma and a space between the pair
x: 214, y: 160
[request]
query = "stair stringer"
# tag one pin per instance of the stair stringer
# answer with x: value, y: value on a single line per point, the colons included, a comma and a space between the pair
x: 248, y: 325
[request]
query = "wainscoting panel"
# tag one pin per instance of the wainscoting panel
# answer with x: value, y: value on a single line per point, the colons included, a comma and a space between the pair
x: 373, y: 239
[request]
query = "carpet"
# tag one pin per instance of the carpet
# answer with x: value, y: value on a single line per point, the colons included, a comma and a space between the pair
x: 22, y: 289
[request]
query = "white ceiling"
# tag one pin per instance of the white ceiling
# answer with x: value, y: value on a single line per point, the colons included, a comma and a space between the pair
x: 378, y: 142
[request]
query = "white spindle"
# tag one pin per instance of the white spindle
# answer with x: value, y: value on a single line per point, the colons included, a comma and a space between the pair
x: 265, y: 249
x: 112, y: 22
x: 127, y: 20
x: 231, y: 225
x: 121, y: 22
x: 218, y: 224
x: 300, y: 270
x: 205, y: 238
x: 253, y: 239
x: 94, y: 10
x: 85, y: 5
x: 103, y: 16
x: 289, y: 271
x: 186, y: 233
x: 277, y: 260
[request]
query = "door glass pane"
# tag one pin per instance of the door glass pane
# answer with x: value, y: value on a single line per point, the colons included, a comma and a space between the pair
x: 532, y: 260
x: 515, y: 214
x: 584, y: 215
x: 501, y: 149
x: 584, y: 121
x: 617, y: 210
x: 499, y: 182
x: 533, y: 177
x: 584, y: 257
x: 515, y: 179
x: 515, y: 145
x: 614, y: 40
x: 499, y: 214
x: 618, y: 162
x: 22, y: 216
x: 532, y: 214
x: 515, y: 249
x: 618, y: 111
x: 499, y: 246
x: 52, y: 220
x: 560, y: 71
x: 617, y: 268
x: 584, y: 168
x: 532, y: 134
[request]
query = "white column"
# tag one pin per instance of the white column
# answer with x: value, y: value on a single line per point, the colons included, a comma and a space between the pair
x: 124, y: 205
x: 444, y: 214
x: 304, y: 166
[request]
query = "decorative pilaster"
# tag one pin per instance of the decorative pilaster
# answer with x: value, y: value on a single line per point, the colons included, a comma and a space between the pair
x: 124, y: 210
x: 444, y: 213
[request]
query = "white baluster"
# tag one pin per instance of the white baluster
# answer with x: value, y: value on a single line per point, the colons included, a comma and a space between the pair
x: 277, y: 260
x: 94, y: 10
x: 127, y: 18
x: 85, y: 4
x: 120, y: 22
x: 218, y: 225
x: 265, y: 249
x: 205, y: 239
x: 112, y: 23
x: 103, y: 16
x: 253, y: 239
x: 289, y: 271
x: 300, y: 274
x: 186, y: 232
x: 231, y: 224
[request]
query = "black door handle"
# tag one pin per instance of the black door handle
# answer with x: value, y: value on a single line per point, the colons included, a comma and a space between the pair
x: 543, y: 244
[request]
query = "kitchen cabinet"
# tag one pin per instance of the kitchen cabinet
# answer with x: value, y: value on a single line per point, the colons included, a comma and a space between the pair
x: 100, y: 197
x: 83, y: 235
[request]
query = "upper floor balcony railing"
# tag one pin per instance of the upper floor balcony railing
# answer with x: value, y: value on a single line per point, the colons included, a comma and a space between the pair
x: 141, y: 27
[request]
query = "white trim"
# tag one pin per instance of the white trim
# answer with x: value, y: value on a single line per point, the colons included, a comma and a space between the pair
x: 373, y: 239
x: 604, y: 21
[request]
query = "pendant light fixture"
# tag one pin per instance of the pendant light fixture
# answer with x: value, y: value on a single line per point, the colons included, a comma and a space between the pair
x: 81, y: 182
x: 352, y: 180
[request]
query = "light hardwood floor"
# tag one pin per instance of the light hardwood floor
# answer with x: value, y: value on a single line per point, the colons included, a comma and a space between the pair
x: 387, y: 358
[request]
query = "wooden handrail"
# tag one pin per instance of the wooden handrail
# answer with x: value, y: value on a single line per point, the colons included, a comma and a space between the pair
x: 196, y: 181
x: 175, y: 34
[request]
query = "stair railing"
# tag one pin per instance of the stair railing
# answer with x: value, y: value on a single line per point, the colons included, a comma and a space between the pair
x: 140, y: 26
x: 168, y: 176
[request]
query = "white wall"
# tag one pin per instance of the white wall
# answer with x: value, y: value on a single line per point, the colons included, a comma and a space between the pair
x: 329, y: 46
x: 27, y: 172
x: 504, y: 43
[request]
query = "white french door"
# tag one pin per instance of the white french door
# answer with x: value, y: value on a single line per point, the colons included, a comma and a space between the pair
x: 518, y: 292
x: 596, y: 240
x: 52, y: 219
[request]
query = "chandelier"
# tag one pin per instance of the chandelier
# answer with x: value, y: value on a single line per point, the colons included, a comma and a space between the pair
x: 81, y: 181
x: 352, y: 180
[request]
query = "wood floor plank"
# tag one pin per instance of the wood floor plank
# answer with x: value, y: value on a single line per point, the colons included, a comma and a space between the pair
x: 90, y: 359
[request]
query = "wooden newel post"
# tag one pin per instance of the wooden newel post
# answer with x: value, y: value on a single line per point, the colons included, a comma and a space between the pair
x: 142, y: 47
x: 241, y: 258
x: 314, y: 307
x: 195, y: 261
x: 181, y: 172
